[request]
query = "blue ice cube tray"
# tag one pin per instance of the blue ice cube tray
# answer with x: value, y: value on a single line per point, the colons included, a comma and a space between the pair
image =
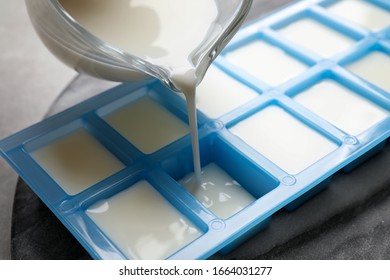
x: 271, y: 185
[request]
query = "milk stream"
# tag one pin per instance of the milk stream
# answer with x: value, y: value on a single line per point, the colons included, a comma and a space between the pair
x: 186, y: 82
x: 163, y: 32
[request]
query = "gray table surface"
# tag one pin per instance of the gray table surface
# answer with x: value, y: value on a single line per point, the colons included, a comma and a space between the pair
x: 30, y: 80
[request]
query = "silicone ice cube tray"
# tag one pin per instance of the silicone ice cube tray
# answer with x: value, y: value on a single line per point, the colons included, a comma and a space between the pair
x: 305, y: 126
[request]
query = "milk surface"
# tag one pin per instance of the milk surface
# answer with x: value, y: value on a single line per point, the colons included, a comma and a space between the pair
x: 283, y: 139
x: 317, y: 37
x: 266, y: 62
x: 362, y: 13
x: 340, y: 106
x: 77, y: 161
x: 374, y: 67
x: 142, y: 223
x: 215, y: 99
x: 218, y: 192
x: 147, y: 125
x: 162, y: 30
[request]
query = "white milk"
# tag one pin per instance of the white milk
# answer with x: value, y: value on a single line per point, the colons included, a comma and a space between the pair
x: 147, y: 125
x: 142, y: 223
x: 266, y: 62
x: 362, y: 13
x: 77, y: 161
x: 375, y: 68
x: 283, y: 139
x: 215, y: 99
x: 218, y: 192
x: 342, y: 107
x: 317, y: 37
x: 164, y: 32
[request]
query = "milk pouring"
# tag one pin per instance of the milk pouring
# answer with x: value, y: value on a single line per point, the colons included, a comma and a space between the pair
x: 172, y: 40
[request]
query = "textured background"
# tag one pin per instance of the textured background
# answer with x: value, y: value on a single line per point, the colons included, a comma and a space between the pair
x: 30, y: 80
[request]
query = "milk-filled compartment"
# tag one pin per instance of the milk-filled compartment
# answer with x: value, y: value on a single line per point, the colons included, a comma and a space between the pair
x: 76, y: 161
x: 229, y: 181
x: 283, y: 139
x: 363, y: 13
x: 142, y: 223
x: 220, y: 93
x: 266, y: 62
x: 373, y: 67
x: 145, y: 123
x: 342, y: 107
x: 318, y: 37
x: 217, y: 191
